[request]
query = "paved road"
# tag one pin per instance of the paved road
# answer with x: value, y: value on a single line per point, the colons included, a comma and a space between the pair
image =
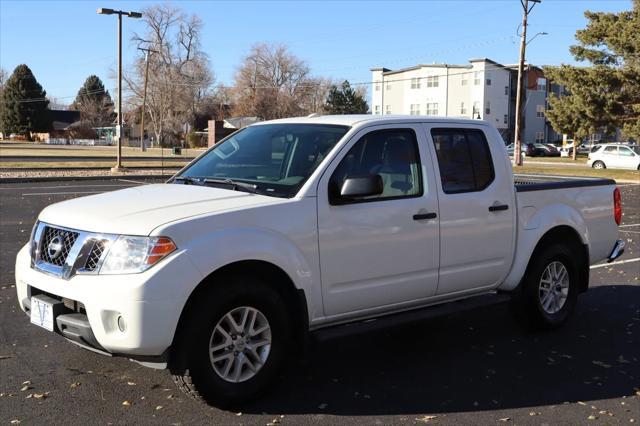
x: 477, y: 367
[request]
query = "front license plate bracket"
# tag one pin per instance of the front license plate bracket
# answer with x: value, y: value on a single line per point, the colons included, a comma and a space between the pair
x: 44, y: 310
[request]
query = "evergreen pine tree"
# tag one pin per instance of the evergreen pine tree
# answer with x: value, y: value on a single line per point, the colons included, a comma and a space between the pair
x: 24, y: 104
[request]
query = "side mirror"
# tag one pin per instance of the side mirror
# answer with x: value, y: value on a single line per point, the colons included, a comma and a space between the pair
x: 355, y: 187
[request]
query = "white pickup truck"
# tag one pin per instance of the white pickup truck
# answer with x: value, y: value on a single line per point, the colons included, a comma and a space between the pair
x: 292, y: 226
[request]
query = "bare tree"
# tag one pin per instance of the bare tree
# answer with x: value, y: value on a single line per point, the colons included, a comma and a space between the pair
x: 274, y: 83
x: 179, y: 74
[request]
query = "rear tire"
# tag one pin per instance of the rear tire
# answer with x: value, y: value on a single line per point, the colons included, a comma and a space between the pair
x: 549, y: 290
x: 598, y: 165
x: 254, y: 315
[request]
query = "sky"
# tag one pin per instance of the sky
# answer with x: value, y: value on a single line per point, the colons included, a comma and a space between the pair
x: 63, y: 42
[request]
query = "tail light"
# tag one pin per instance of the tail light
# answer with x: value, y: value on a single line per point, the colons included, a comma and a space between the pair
x: 617, y: 206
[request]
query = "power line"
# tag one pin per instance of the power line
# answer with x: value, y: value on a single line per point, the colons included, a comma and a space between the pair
x: 311, y: 86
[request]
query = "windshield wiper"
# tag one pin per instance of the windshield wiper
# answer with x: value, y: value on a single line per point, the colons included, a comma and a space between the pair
x: 234, y: 184
x: 188, y: 180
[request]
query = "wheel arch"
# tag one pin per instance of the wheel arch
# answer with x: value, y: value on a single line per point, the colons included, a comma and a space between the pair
x: 565, y: 235
x: 560, y: 233
x: 274, y: 276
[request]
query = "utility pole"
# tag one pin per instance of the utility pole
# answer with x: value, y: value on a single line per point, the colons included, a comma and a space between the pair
x: 517, y: 151
x: 104, y: 11
x: 147, y: 52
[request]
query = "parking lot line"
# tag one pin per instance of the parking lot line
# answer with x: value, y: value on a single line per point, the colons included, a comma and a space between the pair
x: 61, y: 193
x: 66, y: 186
x: 602, y: 265
x: 132, y: 181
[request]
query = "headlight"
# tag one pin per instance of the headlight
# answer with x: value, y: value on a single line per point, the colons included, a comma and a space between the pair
x: 129, y: 255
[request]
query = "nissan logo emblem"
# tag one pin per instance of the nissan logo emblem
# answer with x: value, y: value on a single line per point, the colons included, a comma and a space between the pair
x: 55, y: 247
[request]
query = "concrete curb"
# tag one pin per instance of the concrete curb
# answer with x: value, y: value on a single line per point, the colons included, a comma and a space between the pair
x: 72, y: 178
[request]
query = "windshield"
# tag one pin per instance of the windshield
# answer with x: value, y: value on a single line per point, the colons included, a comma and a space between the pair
x: 276, y: 158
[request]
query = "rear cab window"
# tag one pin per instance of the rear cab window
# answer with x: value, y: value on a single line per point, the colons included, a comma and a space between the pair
x: 464, y: 159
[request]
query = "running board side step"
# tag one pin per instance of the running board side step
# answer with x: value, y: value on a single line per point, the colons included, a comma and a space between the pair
x: 407, y: 317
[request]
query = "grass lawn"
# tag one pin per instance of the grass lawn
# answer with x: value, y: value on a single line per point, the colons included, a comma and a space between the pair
x: 560, y: 160
x: 12, y: 149
x: 39, y: 165
x: 621, y: 175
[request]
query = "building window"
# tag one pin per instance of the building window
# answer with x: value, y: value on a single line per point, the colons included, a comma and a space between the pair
x: 506, y: 119
x: 387, y: 109
x: 415, y: 83
x: 540, y: 111
x: 463, y: 108
x: 506, y: 90
x: 475, y: 112
x: 487, y: 108
x: 432, y: 81
x: 376, y: 110
x: 415, y: 109
x: 432, y: 108
x: 542, y: 84
x: 463, y: 79
x: 539, y: 137
x: 487, y: 76
x: 476, y: 78
x: 377, y: 86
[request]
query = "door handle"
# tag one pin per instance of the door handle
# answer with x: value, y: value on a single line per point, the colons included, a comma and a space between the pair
x: 498, y: 207
x: 423, y: 216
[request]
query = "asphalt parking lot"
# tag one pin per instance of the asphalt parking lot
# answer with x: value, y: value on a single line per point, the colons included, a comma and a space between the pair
x: 477, y: 367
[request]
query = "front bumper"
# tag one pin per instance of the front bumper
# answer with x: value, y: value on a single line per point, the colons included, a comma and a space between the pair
x: 617, y: 251
x: 150, y: 303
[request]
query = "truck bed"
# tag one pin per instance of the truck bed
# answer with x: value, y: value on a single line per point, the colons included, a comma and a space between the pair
x: 525, y: 183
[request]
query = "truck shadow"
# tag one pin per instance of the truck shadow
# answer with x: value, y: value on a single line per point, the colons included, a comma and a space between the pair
x: 477, y: 360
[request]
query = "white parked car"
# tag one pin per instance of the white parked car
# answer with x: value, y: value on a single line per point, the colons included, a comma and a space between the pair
x: 293, y: 227
x: 615, y: 156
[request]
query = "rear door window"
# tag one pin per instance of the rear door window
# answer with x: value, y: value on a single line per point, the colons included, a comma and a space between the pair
x: 464, y: 159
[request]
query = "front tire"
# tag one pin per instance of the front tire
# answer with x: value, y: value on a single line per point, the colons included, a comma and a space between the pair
x: 599, y: 165
x: 549, y: 290
x: 234, y: 343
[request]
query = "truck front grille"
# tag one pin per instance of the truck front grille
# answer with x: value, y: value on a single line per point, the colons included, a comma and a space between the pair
x: 95, y: 254
x: 56, y: 245
x: 66, y: 252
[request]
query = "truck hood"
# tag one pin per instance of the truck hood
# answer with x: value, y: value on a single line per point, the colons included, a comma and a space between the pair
x: 139, y: 210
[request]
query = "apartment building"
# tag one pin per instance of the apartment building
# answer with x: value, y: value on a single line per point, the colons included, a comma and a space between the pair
x: 482, y: 89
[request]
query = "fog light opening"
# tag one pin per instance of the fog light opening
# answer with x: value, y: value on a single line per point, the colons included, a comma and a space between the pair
x: 122, y: 325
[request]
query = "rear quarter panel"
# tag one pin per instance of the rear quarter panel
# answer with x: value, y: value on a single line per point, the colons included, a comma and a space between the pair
x: 588, y: 210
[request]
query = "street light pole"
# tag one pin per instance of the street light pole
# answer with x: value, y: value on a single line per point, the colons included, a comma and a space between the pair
x: 147, y: 52
x: 104, y: 11
x: 517, y: 152
x: 118, y: 166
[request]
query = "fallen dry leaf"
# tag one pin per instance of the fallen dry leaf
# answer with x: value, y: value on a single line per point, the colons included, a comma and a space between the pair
x: 425, y: 419
x: 74, y: 385
x: 601, y: 364
x: 131, y: 383
x: 15, y: 422
x: 126, y: 403
x: 159, y: 407
x: 39, y: 396
x: 25, y: 388
x: 592, y: 417
x: 505, y: 419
